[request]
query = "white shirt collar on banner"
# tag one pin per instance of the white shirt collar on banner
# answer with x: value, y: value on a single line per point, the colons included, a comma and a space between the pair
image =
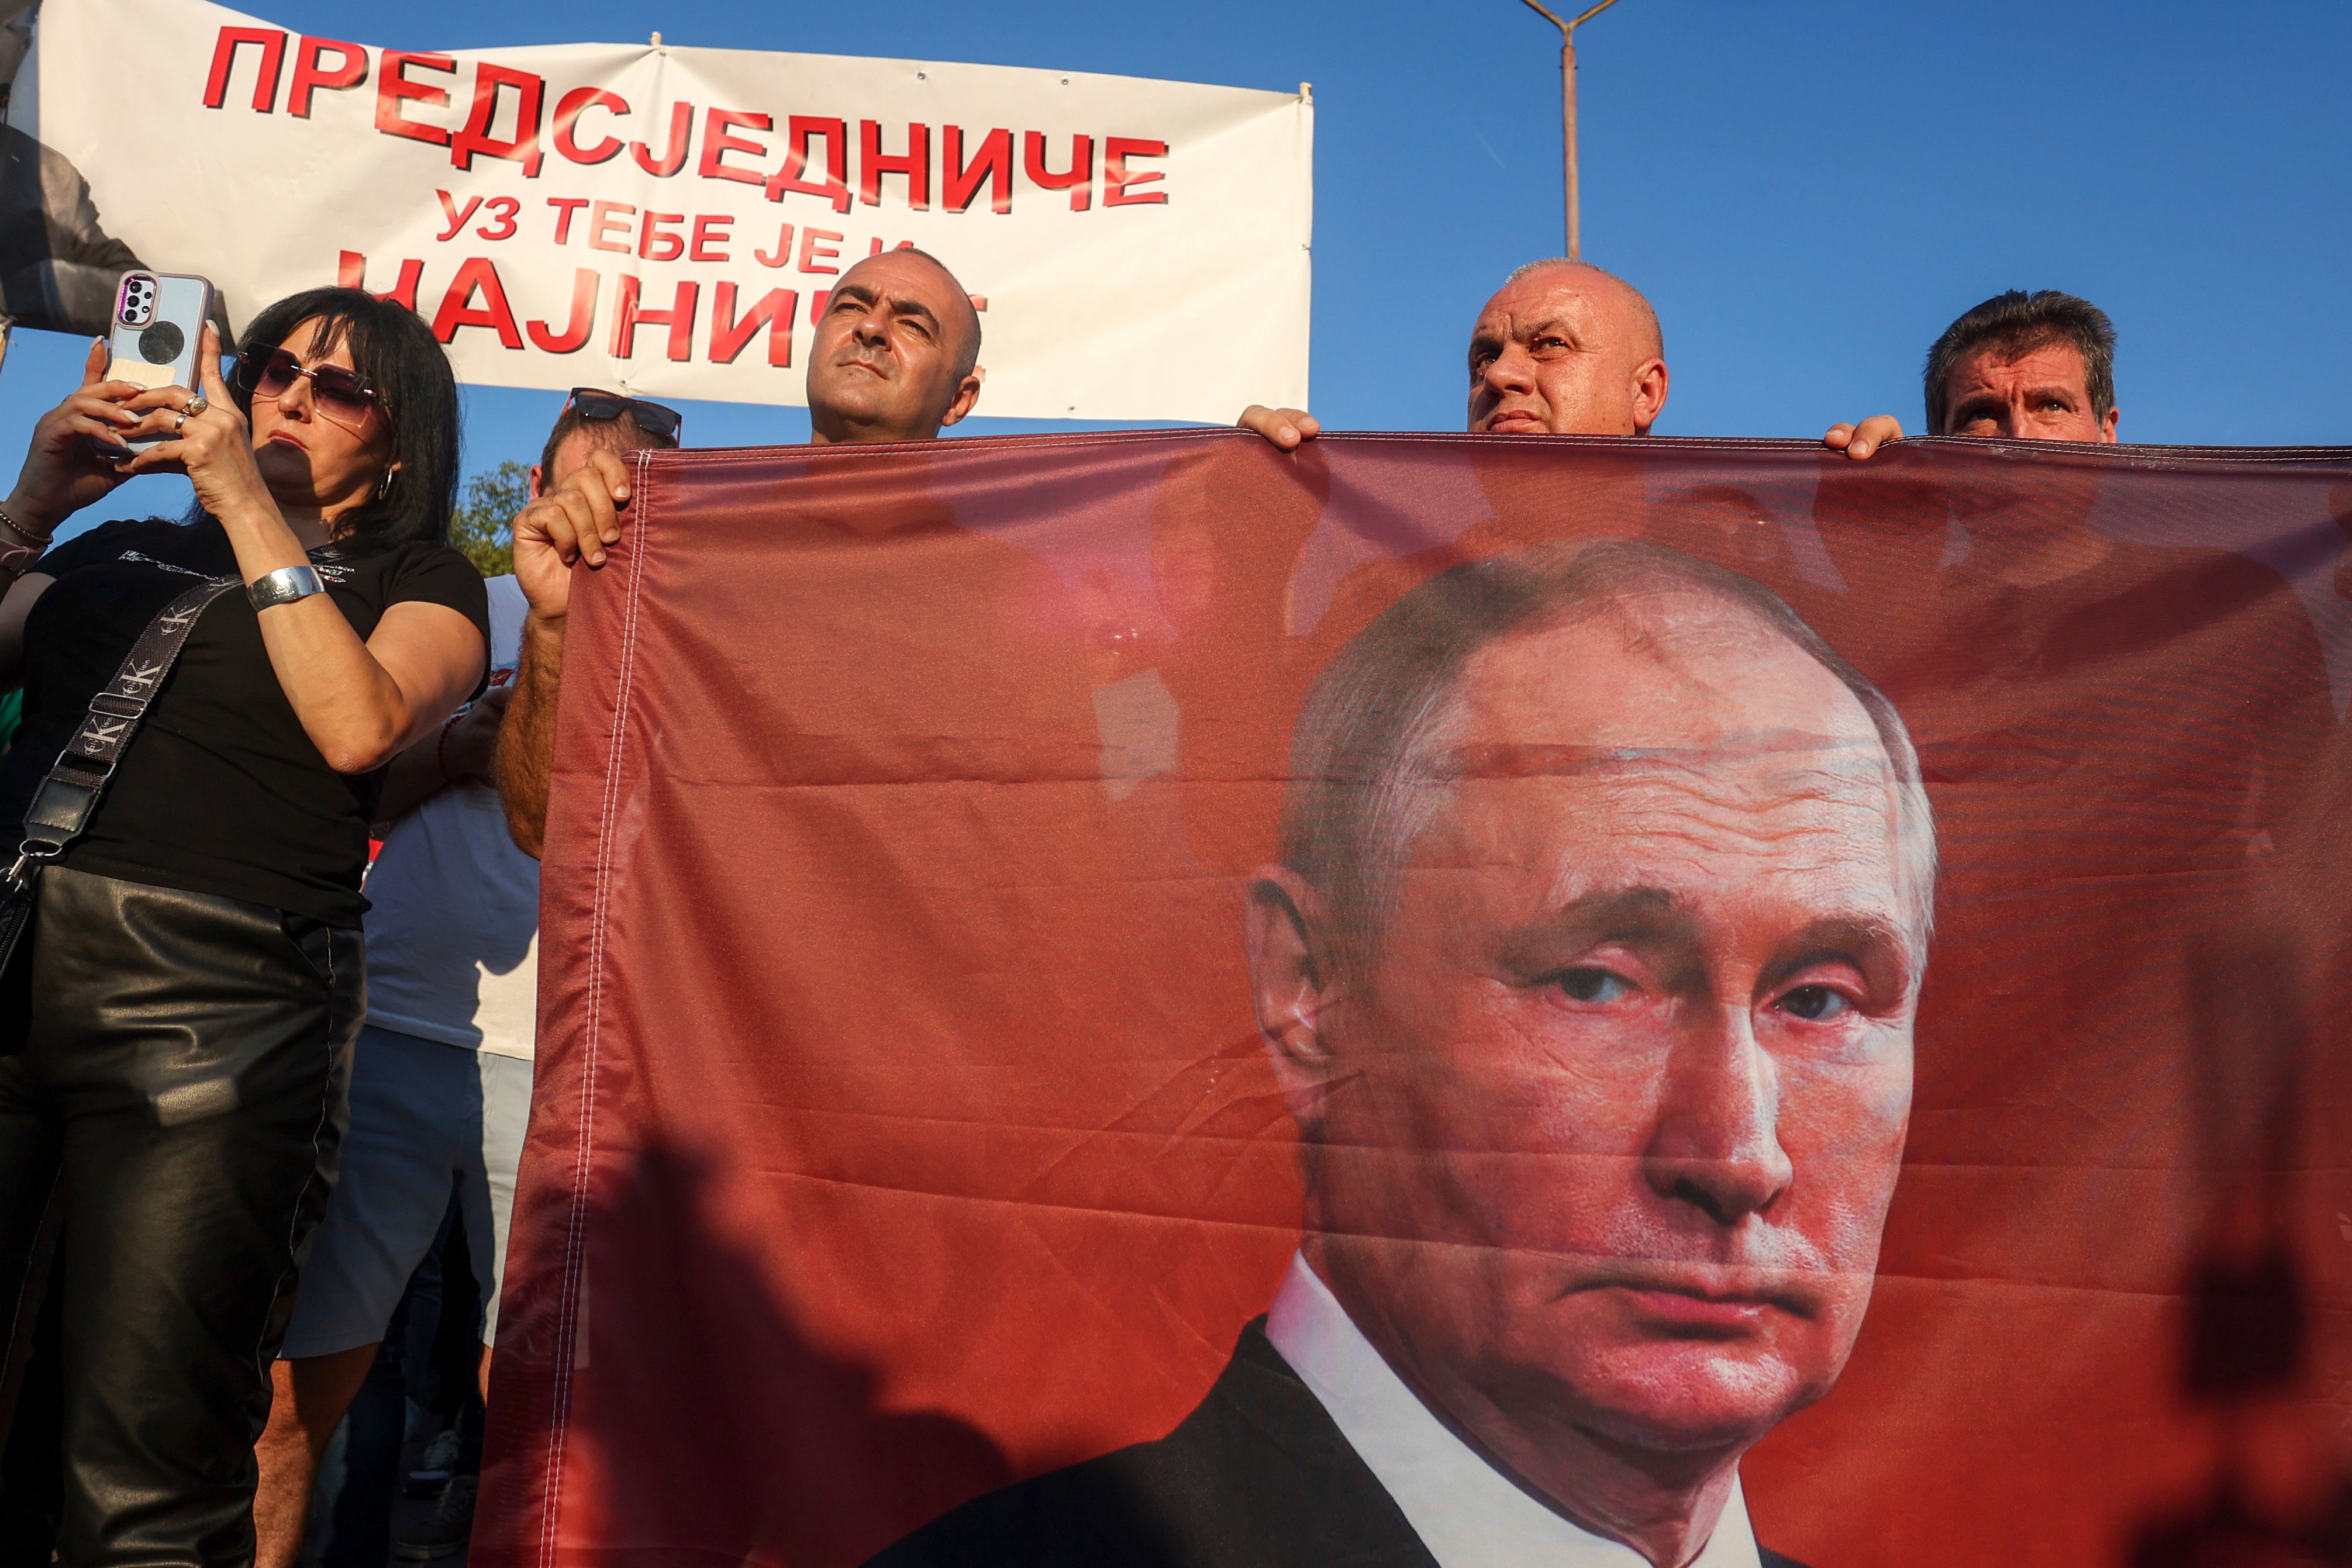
x: 1464, y: 1510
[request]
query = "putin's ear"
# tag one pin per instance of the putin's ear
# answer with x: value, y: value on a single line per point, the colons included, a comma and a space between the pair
x: 537, y: 483
x: 1291, y: 980
x: 2107, y: 426
x: 1650, y: 381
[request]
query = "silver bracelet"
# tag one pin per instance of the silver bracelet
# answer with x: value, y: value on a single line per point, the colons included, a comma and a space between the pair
x: 284, y: 586
x: 40, y: 541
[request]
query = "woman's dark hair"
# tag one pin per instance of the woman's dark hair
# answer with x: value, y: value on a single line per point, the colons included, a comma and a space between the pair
x: 396, y: 352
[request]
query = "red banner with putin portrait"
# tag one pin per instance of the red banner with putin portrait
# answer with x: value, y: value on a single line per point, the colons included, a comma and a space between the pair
x: 1140, y: 999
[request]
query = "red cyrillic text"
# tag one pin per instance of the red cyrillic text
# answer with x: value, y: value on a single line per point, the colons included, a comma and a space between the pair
x: 392, y: 87
x: 270, y: 41
x: 774, y: 310
x: 311, y: 72
x: 627, y: 315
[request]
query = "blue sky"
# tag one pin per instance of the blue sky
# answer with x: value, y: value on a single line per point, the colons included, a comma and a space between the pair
x: 1807, y: 193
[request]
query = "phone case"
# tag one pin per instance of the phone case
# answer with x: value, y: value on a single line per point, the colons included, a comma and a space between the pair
x: 159, y: 324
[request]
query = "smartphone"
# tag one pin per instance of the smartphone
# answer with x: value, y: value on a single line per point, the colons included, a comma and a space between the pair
x: 158, y: 328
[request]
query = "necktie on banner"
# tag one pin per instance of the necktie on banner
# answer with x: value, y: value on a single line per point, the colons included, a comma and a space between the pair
x: 1069, y: 962
x: 663, y: 219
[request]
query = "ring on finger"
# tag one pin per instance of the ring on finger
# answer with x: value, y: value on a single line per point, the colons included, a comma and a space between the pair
x: 195, y: 406
x: 179, y: 422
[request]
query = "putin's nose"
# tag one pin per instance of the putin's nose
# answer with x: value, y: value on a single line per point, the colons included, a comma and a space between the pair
x: 1717, y: 1143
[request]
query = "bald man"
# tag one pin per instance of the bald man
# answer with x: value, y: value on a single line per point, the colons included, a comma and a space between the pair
x: 1562, y: 349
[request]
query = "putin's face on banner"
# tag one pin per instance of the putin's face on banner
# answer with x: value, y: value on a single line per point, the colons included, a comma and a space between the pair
x: 1604, y: 1100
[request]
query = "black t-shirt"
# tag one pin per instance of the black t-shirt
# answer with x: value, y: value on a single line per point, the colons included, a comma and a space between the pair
x: 222, y: 791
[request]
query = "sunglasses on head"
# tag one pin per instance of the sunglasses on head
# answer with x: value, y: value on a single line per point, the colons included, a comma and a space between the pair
x: 661, y: 424
x: 341, y: 393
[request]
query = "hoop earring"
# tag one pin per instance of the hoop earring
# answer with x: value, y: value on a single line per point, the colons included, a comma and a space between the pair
x: 383, y: 486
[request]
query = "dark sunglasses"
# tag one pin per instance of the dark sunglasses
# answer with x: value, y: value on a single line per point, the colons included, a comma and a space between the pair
x: 341, y: 393
x: 661, y: 424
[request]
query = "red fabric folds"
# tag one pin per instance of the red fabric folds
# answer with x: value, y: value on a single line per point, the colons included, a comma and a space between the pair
x: 904, y: 1130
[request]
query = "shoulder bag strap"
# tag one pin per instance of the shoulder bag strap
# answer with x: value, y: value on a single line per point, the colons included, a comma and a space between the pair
x: 68, y: 798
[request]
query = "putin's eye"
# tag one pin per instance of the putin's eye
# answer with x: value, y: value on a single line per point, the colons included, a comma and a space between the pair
x: 1586, y: 984
x: 1816, y: 1003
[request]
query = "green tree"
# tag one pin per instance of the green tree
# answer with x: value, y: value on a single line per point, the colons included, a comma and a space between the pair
x: 482, y: 526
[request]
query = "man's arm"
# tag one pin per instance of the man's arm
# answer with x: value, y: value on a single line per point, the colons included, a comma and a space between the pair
x: 571, y: 523
x: 462, y: 748
x: 414, y: 777
x: 527, y: 740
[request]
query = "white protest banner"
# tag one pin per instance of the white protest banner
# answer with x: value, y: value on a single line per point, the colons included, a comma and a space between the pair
x: 670, y: 220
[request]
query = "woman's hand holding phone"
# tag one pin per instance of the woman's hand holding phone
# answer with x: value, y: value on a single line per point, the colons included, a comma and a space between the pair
x: 214, y: 447
x: 63, y: 471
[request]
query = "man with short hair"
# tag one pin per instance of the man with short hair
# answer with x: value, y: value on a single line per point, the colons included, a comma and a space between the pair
x: 1562, y: 349
x: 896, y: 357
x: 441, y: 1079
x: 1588, y: 972
x: 2030, y: 366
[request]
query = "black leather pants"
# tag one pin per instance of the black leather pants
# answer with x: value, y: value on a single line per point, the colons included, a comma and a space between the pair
x: 183, y: 1066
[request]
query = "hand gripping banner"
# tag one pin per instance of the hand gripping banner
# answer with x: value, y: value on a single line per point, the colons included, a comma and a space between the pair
x: 665, y: 220
x: 1139, y: 999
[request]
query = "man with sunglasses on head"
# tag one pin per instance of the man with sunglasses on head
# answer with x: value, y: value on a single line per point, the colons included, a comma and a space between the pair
x: 441, y: 1076
x: 897, y: 358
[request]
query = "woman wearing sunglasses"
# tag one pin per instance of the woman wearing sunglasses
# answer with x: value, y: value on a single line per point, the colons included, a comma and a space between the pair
x: 176, y: 1030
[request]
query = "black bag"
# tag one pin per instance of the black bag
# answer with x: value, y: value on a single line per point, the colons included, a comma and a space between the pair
x: 68, y: 798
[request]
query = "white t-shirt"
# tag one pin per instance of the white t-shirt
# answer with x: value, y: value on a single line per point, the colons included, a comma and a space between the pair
x: 453, y: 938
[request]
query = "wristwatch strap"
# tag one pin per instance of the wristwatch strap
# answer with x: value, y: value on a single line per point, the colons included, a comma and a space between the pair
x: 284, y: 586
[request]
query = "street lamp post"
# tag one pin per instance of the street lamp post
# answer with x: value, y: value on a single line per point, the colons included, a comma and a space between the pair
x: 1568, y: 110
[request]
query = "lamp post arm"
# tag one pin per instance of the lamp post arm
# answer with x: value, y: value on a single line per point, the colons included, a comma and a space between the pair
x: 1545, y: 12
x: 1567, y: 113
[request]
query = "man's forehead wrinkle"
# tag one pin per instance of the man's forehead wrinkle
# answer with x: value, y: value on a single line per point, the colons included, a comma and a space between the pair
x: 903, y: 303
x: 884, y: 264
x: 1528, y: 328
x: 1809, y: 754
x: 1599, y: 292
x: 1834, y: 821
x: 1689, y: 829
x: 1671, y: 623
x: 1702, y: 842
x: 1698, y: 672
x: 1668, y: 616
